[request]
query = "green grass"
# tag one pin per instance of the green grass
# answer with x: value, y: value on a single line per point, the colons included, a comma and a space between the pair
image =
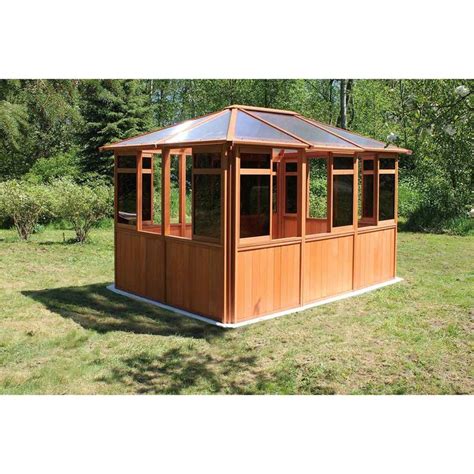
x: 61, y: 331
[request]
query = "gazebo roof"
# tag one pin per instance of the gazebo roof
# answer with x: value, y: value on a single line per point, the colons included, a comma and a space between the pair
x: 242, y: 124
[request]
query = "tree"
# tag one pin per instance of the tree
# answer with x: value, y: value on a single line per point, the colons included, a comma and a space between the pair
x: 111, y: 110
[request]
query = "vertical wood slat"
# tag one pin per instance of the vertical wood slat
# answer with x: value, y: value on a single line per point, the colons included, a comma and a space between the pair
x: 165, y: 191
x: 376, y: 195
x: 139, y: 178
x: 182, y: 193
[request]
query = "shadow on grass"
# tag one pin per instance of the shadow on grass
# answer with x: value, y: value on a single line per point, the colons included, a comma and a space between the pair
x: 175, y: 372
x: 96, y: 308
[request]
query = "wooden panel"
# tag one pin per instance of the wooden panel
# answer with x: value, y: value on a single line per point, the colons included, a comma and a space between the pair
x: 316, y: 226
x: 374, y: 257
x: 140, y: 264
x: 268, y: 280
x: 327, y: 267
x: 195, y: 278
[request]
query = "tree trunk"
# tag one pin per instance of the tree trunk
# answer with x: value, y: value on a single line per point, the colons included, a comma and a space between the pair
x: 343, y: 103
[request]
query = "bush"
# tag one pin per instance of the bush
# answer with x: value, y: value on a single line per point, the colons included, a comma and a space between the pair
x: 25, y: 204
x: 83, y: 205
x: 46, y: 170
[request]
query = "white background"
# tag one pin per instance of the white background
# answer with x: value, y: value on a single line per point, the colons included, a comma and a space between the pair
x: 241, y: 39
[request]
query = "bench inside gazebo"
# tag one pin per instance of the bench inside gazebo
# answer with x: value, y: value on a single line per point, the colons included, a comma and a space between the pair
x: 250, y: 213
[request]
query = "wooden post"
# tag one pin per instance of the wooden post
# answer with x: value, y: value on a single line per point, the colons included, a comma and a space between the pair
x: 165, y: 191
x: 182, y: 193
x: 139, y: 190
x: 376, y: 190
x: 330, y: 209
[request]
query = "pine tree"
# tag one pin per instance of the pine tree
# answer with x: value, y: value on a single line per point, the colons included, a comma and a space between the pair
x: 112, y: 110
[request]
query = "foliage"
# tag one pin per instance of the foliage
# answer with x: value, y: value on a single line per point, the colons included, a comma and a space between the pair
x: 111, y: 110
x: 25, y: 204
x: 62, y: 165
x: 82, y: 205
x: 43, y: 122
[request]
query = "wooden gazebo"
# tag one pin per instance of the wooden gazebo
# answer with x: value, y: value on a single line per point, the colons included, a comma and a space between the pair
x: 250, y: 213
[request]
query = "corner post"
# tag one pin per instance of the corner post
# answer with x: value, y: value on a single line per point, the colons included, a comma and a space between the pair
x: 165, y: 191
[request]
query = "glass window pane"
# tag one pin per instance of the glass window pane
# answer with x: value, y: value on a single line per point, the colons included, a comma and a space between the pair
x: 387, y: 163
x: 255, y: 160
x: 302, y: 129
x: 368, y: 165
x: 343, y: 163
x: 207, y: 205
x: 157, y: 163
x: 318, y: 189
x: 146, y: 163
x: 174, y: 189
x: 254, y: 205
x: 368, y: 195
x: 127, y: 161
x: 291, y: 203
x: 214, y: 129
x: 127, y: 198
x: 342, y: 200
x: 355, y: 138
x: 291, y: 167
x: 207, y: 160
x: 274, y: 195
x: 250, y: 128
x: 387, y: 196
x: 154, y: 137
x: 146, y: 197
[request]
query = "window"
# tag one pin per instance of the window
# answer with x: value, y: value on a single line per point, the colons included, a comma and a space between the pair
x: 367, y: 192
x: 127, y: 162
x: 343, y: 163
x: 387, y: 163
x: 207, y: 205
x: 206, y: 194
x: 387, y: 197
x: 127, y: 198
x: 317, y: 188
x: 368, y: 195
x: 146, y: 197
x: 146, y: 163
x: 291, y: 167
x: 207, y: 160
x: 317, y: 199
x: 291, y: 194
x: 257, y: 199
x: 254, y: 205
x: 255, y: 160
x: 342, y: 200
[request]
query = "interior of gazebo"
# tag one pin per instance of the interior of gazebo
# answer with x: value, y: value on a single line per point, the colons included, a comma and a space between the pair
x: 248, y: 212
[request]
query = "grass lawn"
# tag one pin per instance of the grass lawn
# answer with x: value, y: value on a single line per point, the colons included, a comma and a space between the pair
x: 61, y: 331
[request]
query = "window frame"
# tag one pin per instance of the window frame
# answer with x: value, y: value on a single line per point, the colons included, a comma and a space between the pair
x: 209, y: 171
x: 384, y: 171
x: 341, y: 172
x: 255, y: 171
x: 135, y: 171
x: 328, y: 218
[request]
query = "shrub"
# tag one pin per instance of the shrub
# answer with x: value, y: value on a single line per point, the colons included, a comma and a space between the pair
x: 25, y: 204
x: 83, y: 205
x: 46, y: 170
